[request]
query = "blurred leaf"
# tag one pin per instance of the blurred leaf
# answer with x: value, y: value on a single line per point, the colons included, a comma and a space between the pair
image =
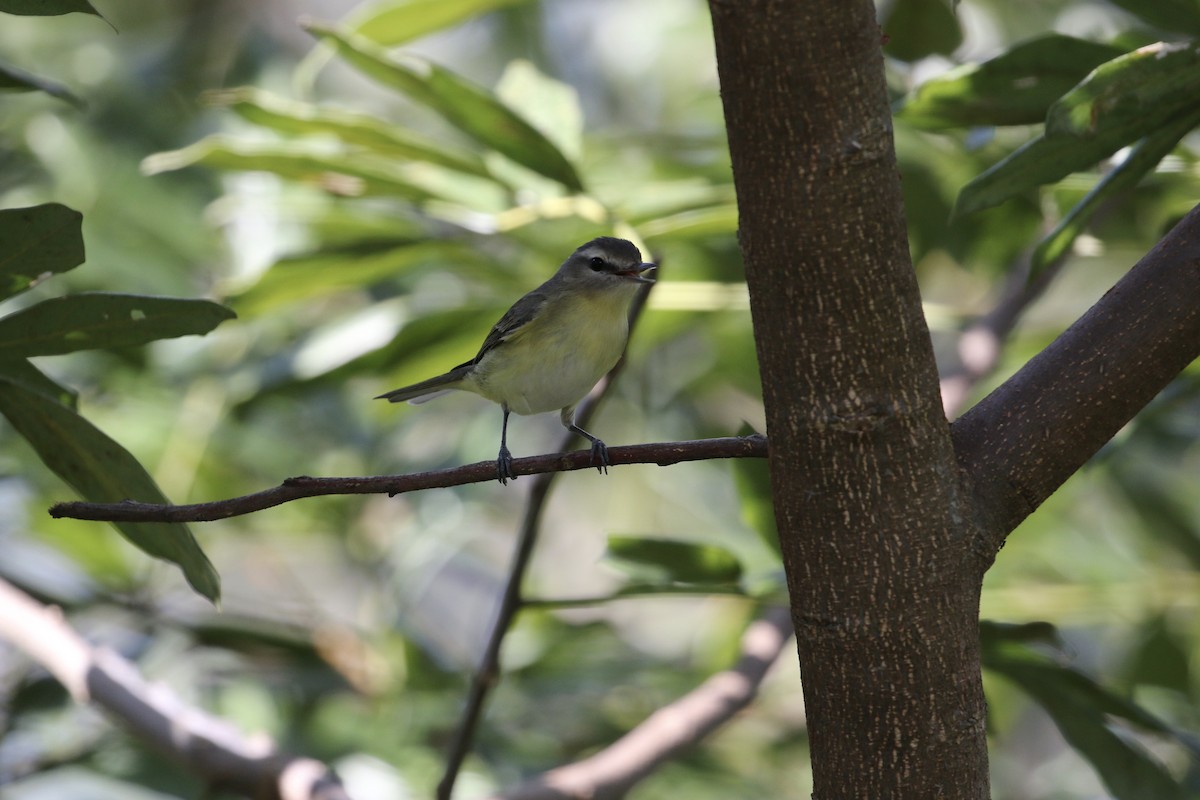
x: 46, y: 8
x: 293, y: 117
x: 1014, y: 88
x: 1142, y: 89
x: 90, y: 321
x: 918, y: 28
x: 1161, y: 659
x: 711, y: 221
x: 1080, y: 707
x: 102, y: 471
x: 1160, y: 513
x: 334, y: 172
x: 17, y: 80
x: 399, y: 21
x: 468, y: 107
x: 35, y: 242
x: 337, y: 269
x: 1144, y: 157
x: 25, y: 374
x: 995, y: 634
x: 753, y: 480
x: 1177, y: 16
x: 549, y: 105
x: 673, y: 561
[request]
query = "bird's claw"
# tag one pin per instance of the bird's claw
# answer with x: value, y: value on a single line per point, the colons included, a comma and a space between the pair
x: 600, y: 456
x: 504, y: 466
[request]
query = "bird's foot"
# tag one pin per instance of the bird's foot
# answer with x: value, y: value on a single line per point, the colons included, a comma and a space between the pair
x: 504, y: 466
x: 600, y: 456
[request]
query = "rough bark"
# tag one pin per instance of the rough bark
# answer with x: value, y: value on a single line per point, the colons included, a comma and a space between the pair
x: 883, y: 584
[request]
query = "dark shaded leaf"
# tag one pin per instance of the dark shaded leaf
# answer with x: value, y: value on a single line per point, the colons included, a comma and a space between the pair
x: 99, y: 320
x: 1160, y: 513
x: 673, y: 561
x: 102, y: 471
x: 1142, y: 90
x: 1161, y: 659
x: 470, y: 108
x: 914, y: 29
x: 17, y: 80
x: 25, y: 374
x: 35, y: 242
x: 1015, y: 88
x: 47, y: 8
x: 401, y: 21
x: 1176, y: 16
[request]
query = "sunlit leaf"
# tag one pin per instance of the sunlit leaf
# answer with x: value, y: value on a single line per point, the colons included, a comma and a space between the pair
x: 470, y: 108
x: 1144, y: 157
x: 16, y: 80
x: 89, y: 321
x: 1080, y: 708
x: 102, y: 471
x: 293, y: 117
x: 714, y: 220
x: 337, y: 173
x: 1014, y: 88
x: 913, y: 29
x: 673, y: 561
x: 399, y: 21
x: 35, y: 242
x: 46, y: 8
x: 1142, y: 90
x: 1177, y: 16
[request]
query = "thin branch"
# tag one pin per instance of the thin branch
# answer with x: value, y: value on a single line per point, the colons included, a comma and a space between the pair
x: 487, y: 674
x: 209, y: 746
x: 1021, y: 442
x: 666, y: 733
x: 662, y: 453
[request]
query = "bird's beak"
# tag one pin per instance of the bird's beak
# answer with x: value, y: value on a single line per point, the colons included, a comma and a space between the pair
x: 638, y: 273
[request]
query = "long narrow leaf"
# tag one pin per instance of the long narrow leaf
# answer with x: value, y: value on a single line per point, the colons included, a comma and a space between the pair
x: 27, y: 375
x: 18, y: 80
x: 47, y: 8
x: 1177, y: 16
x: 102, y: 471
x: 37, y: 241
x: 673, y: 561
x: 90, y: 321
x: 395, y: 22
x: 468, y: 107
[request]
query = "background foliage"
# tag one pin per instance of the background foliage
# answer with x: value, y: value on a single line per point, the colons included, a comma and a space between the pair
x: 370, y: 191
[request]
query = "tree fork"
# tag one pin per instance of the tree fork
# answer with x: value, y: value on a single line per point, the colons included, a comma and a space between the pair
x: 875, y: 535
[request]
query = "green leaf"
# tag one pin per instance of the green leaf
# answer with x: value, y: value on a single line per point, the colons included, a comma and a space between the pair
x: 90, y: 321
x: 334, y: 172
x: 1137, y: 91
x: 914, y: 29
x: 714, y: 220
x: 673, y: 561
x: 470, y: 108
x: 1080, y: 708
x: 1161, y: 658
x: 35, y: 242
x: 102, y: 471
x: 399, y: 21
x: 1145, y: 156
x: 292, y: 117
x: 47, y: 8
x: 25, y: 374
x: 1015, y: 88
x: 17, y: 80
x: 1176, y: 16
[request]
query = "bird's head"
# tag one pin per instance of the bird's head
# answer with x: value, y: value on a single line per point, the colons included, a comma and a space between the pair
x: 607, y: 262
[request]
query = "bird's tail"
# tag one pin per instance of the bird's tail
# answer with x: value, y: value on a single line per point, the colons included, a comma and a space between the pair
x: 427, y: 390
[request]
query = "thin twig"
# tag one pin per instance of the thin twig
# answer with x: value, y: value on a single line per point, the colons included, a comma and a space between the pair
x: 209, y: 746
x: 669, y: 731
x: 661, y: 453
x: 488, y: 672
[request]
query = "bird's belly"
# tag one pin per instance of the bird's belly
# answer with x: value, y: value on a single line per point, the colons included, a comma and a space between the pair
x: 548, y: 373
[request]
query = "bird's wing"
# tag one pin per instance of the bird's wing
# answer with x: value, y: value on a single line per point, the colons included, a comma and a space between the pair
x: 512, y: 322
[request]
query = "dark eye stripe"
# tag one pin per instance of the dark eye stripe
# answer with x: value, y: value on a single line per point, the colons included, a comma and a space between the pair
x: 597, y: 263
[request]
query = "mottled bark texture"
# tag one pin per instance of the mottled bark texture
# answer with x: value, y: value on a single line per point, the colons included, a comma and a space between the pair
x: 887, y: 517
x: 878, y: 551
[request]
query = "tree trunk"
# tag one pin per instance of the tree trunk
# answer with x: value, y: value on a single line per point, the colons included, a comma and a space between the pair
x: 877, y: 540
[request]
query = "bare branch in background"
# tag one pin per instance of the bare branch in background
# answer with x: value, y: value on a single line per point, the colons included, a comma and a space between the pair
x: 209, y: 747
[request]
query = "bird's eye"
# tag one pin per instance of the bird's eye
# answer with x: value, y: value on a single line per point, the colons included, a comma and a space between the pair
x: 597, y: 263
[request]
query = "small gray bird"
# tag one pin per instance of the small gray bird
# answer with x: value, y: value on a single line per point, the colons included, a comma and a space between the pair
x: 553, y: 345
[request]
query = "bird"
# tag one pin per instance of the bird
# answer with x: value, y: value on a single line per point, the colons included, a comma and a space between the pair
x: 554, y: 344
